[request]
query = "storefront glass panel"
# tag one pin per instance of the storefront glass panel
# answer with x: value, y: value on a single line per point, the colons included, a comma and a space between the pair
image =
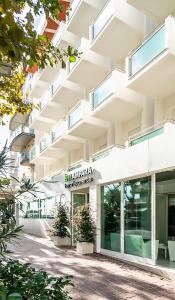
x: 137, y: 214
x: 110, y: 217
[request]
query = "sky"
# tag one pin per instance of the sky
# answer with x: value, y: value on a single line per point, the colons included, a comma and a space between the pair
x: 4, y: 133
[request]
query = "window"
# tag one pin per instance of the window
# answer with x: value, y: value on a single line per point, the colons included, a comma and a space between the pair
x: 110, y: 216
x: 137, y: 213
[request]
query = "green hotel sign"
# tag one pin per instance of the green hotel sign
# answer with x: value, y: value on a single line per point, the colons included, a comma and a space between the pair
x: 80, y: 177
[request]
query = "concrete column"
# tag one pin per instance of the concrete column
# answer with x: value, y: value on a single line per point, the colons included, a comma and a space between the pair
x: 86, y: 151
x: 153, y: 218
x: 95, y: 208
x: 111, y: 135
x: 158, y: 111
x: 147, y: 115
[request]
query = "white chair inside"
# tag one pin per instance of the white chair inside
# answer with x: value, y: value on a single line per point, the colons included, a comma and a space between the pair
x: 171, y: 249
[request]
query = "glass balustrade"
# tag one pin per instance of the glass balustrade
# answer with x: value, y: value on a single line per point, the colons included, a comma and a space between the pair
x: 72, y: 9
x: 32, y: 153
x: 56, y: 84
x: 75, y: 116
x: 101, y: 154
x: 43, y: 103
x: 102, y: 19
x: 56, y: 133
x: 44, y: 143
x: 102, y: 92
x: 24, y: 157
x: 150, y: 49
x: 147, y: 136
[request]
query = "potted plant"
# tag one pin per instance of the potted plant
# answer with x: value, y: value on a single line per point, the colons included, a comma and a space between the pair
x: 61, y: 227
x: 84, y: 231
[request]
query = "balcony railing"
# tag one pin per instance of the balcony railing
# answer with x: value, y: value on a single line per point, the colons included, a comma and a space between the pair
x: 24, y: 157
x: 73, y: 6
x: 147, y: 134
x: 102, y: 153
x: 58, y: 34
x: 32, y: 153
x: 56, y: 133
x: 43, y: 103
x: 75, y: 116
x: 101, y: 92
x: 44, y: 143
x: 149, y: 50
x: 102, y: 19
x: 56, y: 84
x: 21, y: 130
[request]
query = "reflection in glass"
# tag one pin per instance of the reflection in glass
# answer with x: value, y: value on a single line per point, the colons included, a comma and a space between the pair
x: 137, y: 195
x: 110, y: 217
x: 148, y: 51
x: 102, y: 92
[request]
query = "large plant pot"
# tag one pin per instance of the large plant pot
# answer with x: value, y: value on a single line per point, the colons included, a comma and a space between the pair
x: 85, y: 248
x: 58, y: 241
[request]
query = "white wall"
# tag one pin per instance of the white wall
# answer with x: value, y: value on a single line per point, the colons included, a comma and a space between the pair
x: 38, y: 227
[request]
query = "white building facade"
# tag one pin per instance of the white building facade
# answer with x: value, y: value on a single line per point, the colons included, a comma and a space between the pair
x: 105, y: 130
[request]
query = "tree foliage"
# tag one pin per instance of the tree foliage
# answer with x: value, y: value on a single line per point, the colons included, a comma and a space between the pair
x: 21, y: 46
x: 16, y: 277
x: 9, y: 196
x: 84, y: 226
x: 61, y: 225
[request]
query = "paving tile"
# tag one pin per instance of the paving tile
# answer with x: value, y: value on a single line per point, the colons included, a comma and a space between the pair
x: 96, y: 277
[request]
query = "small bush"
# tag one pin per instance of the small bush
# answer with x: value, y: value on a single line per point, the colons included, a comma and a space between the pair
x: 33, y: 284
x: 61, y: 225
x: 84, y: 226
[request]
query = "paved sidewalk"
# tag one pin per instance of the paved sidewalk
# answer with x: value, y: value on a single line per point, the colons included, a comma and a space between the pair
x: 96, y: 277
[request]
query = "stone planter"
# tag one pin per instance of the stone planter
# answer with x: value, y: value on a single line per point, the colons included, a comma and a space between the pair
x: 58, y: 241
x: 85, y: 248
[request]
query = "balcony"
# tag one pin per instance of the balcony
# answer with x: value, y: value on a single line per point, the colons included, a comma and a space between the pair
x: 86, y: 9
x: 90, y: 68
x: 37, y: 86
x: 48, y: 74
x: 63, y: 38
x: 66, y: 92
x: 48, y: 113
x: 112, y: 101
x: 48, y: 152
x: 61, y: 139
x: 49, y: 109
x: 150, y: 68
x: 20, y: 138
x: 146, y: 135
x: 102, y: 153
x: 156, y: 9
x: 25, y: 159
x: 40, y: 123
x: 17, y: 120
x: 117, y: 30
x: 82, y: 124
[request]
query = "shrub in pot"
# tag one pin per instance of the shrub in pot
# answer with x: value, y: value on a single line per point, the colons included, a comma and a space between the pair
x: 61, y: 227
x: 84, y: 231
